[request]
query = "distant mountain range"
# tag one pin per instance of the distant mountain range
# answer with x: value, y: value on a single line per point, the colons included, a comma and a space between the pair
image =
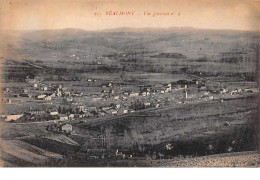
x: 125, y: 29
x: 191, y: 42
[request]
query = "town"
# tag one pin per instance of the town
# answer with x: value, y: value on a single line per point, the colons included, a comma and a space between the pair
x: 64, y: 104
x: 63, y: 107
x: 120, y: 103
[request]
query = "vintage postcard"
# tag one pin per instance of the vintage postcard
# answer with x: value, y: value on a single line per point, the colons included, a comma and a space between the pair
x: 120, y: 83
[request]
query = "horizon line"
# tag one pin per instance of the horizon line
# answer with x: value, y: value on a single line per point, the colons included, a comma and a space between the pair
x: 128, y: 27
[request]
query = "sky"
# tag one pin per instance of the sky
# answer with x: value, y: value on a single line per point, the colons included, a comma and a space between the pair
x: 85, y: 14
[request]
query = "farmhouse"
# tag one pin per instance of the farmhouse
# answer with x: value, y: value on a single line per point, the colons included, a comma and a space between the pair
x: 167, y: 85
x: 206, y: 93
x: 66, y: 128
x: 112, y: 111
x: 59, y: 92
x: 63, y: 117
x: 254, y: 90
x: 8, y: 101
x: 106, y: 108
x: 168, y: 146
x: 6, y: 90
x: 41, y: 96
x: 83, y: 108
x: 107, y: 85
x: 24, y: 91
x: 47, y: 98
x: 223, y: 90
x: 12, y: 117
x: 112, y: 91
x: 147, y: 104
x: 211, y: 97
x: 71, y: 116
x: 119, y: 154
x: 133, y: 94
x: 36, y: 112
x: 69, y: 99
x: 105, y: 91
x: 162, y: 91
x: 52, y: 94
x: 44, y: 88
x: 233, y: 92
x: 168, y: 89
x: 66, y: 93
x: 116, y: 97
x: 81, y: 115
x: 144, y: 93
x: 54, y: 112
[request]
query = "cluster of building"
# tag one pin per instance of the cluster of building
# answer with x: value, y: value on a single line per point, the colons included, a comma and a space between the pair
x: 120, y: 101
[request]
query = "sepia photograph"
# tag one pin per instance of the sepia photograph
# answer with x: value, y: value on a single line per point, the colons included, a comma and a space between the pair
x: 147, y: 83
